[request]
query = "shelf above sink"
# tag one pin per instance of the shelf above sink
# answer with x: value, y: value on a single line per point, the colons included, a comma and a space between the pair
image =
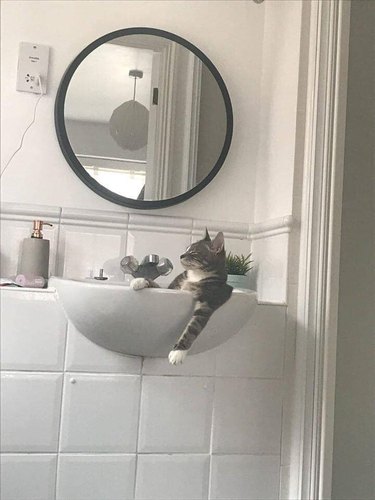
x: 147, y: 322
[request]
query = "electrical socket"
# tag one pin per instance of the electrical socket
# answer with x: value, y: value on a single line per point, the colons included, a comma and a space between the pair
x: 32, y: 61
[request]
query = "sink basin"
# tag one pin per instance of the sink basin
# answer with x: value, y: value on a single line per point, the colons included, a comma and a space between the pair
x: 147, y: 322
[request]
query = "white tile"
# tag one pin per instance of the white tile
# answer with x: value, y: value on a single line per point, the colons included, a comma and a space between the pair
x: 257, y: 350
x: 170, y: 245
x: 100, y: 413
x: 84, y: 250
x: 288, y: 387
x: 30, y: 411
x: 12, y: 234
x: 195, y: 364
x: 285, y: 471
x: 175, y: 414
x: 83, y: 355
x: 235, y: 230
x: 237, y: 246
x: 27, y: 477
x: 247, y: 416
x: 270, y: 256
x: 245, y: 477
x: 172, y: 477
x: 96, y: 477
x: 161, y: 223
x: 33, y: 329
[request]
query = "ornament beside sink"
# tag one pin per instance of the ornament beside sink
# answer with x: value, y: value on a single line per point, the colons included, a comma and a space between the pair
x: 237, y: 267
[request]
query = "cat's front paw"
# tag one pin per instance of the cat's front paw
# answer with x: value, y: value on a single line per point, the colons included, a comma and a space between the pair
x: 176, y: 357
x: 139, y: 283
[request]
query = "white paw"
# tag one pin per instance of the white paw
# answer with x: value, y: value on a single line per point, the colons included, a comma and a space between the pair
x: 139, y: 283
x: 177, y: 357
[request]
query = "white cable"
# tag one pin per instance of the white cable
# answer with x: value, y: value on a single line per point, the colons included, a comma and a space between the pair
x: 27, y: 128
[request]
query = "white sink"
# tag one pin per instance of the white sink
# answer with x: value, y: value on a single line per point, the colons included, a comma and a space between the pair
x: 146, y: 322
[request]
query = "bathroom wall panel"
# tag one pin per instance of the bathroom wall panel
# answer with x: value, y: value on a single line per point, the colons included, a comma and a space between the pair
x: 100, y: 413
x: 270, y: 254
x: 175, y: 414
x: 96, y: 477
x: 244, y: 477
x: 285, y: 471
x: 247, y: 416
x: 27, y: 477
x: 27, y: 344
x: 83, y: 250
x: 262, y: 338
x: 30, y: 411
x: 172, y: 477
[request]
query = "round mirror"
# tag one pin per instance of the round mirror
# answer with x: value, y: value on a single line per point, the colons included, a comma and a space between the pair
x: 144, y: 118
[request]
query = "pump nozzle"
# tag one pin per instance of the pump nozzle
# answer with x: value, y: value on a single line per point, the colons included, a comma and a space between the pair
x: 38, y: 226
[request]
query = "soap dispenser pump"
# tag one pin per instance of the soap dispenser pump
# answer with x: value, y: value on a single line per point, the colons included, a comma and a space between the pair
x: 34, y: 258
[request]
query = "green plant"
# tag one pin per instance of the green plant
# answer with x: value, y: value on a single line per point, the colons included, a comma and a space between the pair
x: 238, y: 264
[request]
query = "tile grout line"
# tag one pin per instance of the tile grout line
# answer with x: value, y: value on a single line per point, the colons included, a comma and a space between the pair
x: 285, y: 395
x: 209, y: 487
x: 125, y: 454
x: 56, y: 262
x: 106, y: 373
x: 61, y: 411
x: 138, y: 428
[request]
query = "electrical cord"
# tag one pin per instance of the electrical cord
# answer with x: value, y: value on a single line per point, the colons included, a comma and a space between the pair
x: 27, y: 128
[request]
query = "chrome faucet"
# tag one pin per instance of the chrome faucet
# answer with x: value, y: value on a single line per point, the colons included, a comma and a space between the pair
x: 150, y: 268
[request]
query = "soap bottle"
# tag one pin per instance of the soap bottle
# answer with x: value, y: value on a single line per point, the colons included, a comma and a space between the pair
x: 34, y: 258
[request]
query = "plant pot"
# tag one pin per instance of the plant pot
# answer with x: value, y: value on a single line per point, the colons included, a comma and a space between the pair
x: 238, y: 281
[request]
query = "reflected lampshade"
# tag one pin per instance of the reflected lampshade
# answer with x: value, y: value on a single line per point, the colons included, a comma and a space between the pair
x: 128, y: 125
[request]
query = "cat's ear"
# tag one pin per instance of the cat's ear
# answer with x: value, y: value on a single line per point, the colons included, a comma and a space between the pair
x: 207, y: 236
x: 218, y: 243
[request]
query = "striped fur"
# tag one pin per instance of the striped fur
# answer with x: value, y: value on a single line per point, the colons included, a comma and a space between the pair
x: 205, y: 277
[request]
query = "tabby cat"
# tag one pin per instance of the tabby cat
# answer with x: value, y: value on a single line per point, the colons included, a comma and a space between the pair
x: 205, y: 276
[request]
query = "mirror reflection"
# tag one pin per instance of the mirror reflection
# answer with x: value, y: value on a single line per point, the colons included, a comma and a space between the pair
x: 145, y: 117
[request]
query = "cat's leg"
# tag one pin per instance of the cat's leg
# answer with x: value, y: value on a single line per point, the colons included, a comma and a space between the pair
x: 201, y: 315
x: 178, y: 281
x: 140, y: 283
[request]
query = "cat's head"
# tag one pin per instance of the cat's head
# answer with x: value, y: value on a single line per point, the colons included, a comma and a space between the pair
x: 205, y: 254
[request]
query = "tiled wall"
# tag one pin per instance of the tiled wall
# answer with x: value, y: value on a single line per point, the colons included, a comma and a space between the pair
x: 82, y: 423
x: 84, y: 241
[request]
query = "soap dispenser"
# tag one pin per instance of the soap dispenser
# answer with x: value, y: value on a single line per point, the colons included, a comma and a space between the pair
x: 34, y: 257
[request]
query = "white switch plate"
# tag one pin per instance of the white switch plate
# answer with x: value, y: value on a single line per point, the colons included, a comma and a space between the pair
x: 32, y: 61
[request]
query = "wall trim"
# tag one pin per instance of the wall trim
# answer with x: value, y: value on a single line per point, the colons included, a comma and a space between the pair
x: 311, y: 474
x: 145, y: 222
x: 272, y: 227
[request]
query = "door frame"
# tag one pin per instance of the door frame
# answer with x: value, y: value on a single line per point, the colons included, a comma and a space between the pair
x: 318, y: 280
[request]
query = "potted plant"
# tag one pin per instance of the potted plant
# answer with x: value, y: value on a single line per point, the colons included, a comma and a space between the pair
x: 237, y: 268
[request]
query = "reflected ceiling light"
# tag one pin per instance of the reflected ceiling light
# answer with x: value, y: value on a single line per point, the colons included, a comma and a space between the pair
x: 128, y: 125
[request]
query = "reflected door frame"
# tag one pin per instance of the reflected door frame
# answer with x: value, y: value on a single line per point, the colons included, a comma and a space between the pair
x: 173, y: 126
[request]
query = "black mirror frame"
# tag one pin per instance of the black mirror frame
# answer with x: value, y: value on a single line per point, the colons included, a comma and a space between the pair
x: 76, y: 165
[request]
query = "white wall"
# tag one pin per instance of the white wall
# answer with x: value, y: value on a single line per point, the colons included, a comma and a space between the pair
x: 354, y: 424
x: 277, y: 159
x: 278, y: 109
x: 229, y: 33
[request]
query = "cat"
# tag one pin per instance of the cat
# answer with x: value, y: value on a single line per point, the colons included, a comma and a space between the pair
x: 205, y: 276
